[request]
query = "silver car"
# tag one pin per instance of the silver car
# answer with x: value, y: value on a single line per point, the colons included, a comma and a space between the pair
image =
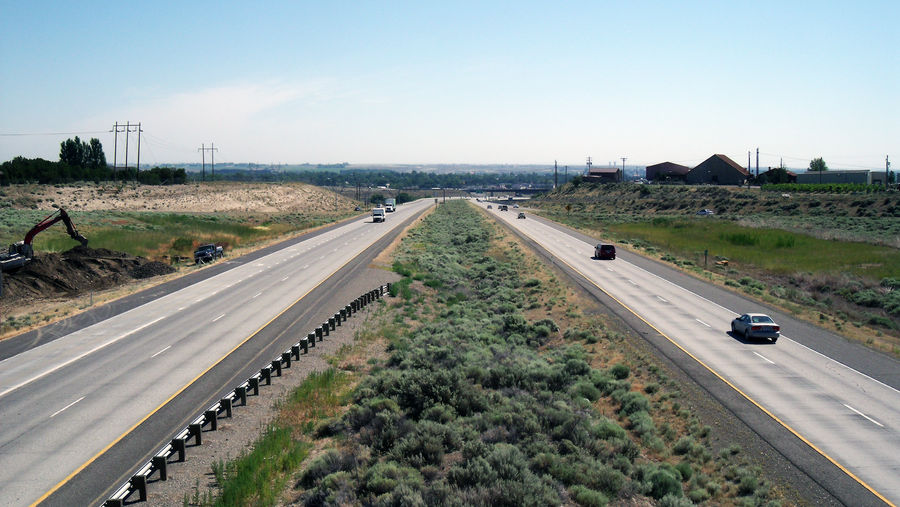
x: 755, y: 325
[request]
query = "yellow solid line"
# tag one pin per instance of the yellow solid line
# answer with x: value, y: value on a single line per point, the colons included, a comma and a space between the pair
x: 723, y: 379
x: 129, y: 430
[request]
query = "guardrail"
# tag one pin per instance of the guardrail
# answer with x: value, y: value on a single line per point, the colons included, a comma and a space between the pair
x: 210, y: 417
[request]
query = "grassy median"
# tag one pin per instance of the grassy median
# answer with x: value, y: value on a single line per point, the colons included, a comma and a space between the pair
x: 497, y: 389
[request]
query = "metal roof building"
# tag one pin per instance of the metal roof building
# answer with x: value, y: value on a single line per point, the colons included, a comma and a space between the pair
x: 667, y: 170
x: 717, y: 170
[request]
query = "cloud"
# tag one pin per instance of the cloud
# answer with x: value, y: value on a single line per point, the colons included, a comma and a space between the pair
x: 240, y: 114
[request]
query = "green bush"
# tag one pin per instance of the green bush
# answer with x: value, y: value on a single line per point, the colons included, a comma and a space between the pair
x: 587, y: 497
x: 663, y: 483
x: 620, y: 371
x: 633, y: 402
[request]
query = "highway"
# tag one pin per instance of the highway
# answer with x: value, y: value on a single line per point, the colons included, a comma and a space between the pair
x: 846, y: 415
x: 67, y: 401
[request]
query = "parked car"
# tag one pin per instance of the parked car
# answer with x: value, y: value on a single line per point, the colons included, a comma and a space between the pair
x: 706, y: 212
x: 521, y: 215
x: 490, y: 207
x: 208, y: 253
x: 605, y: 251
x: 755, y: 325
x: 516, y: 206
x: 504, y: 207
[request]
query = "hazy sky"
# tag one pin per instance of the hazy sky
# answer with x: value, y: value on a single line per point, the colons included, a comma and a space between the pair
x: 456, y: 82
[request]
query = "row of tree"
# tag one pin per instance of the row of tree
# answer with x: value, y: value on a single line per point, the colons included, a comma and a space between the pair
x: 83, y: 161
x: 393, y: 179
x: 37, y: 170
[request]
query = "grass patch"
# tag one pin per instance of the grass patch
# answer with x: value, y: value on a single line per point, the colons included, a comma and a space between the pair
x: 153, y: 234
x: 769, y: 249
x: 258, y: 477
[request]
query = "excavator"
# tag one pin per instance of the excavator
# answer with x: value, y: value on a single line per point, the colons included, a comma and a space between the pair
x: 22, y: 252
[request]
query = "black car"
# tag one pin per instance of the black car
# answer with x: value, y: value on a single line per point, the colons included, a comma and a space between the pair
x: 208, y: 253
x: 605, y: 251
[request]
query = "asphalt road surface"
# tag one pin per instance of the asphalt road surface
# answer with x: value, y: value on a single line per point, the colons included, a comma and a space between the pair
x: 840, y: 399
x: 65, y: 402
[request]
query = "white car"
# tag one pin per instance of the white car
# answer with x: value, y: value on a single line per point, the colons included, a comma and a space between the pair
x: 755, y: 325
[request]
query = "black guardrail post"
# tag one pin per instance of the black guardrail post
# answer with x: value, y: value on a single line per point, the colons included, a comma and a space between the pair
x: 226, y: 404
x: 241, y: 393
x: 305, y: 344
x: 139, y: 483
x: 196, y: 432
x: 276, y: 366
x: 286, y: 359
x: 266, y: 375
x: 338, y: 317
x: 178, y: 447
x: 311, y: 338
x: 254, y: 384
x: 212, y: 417
x: 331, y: 322
x: 159, y: 463
x: 326, y: 329
x: 319, y: 334
x: 295, y: 351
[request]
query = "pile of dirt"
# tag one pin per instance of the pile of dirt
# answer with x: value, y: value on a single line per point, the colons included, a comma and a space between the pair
x: 74, y: 272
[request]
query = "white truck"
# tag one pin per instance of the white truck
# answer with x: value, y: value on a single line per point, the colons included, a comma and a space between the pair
x: 390, y: 205
x: 377, y: 215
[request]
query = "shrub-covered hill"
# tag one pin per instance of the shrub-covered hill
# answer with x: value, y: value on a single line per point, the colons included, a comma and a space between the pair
x: 481, y: 403
x: 859, y: 216
x: 688, y: 199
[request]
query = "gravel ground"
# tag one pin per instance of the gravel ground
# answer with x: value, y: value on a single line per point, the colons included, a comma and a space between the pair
x: 193, y: 478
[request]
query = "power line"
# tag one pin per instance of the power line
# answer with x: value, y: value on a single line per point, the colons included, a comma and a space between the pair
x: 10, y: 134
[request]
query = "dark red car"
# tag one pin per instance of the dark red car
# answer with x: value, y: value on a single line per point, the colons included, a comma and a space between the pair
x: 605, y: 251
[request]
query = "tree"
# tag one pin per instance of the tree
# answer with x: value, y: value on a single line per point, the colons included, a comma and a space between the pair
x: 817, y: 165
x: 71, y: 152
x: 94, y: 156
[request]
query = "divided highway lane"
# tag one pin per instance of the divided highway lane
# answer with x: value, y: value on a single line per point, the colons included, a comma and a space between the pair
x: 66, y: 401
x: 848, y: 416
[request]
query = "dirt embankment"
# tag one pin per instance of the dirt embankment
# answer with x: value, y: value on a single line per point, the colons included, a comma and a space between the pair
x: 72, y: 273
x: 52, y: 279
x: 217, y: 197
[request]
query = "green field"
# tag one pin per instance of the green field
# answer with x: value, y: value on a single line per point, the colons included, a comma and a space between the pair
x: 774, y: 250
x: 154, y: 234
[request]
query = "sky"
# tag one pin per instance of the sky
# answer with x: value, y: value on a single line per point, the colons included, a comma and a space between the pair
x: 477, y: 82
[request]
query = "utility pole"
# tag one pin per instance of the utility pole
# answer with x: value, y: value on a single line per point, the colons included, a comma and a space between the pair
x: 203, y: 149
x: 887, y: 170
x: 566, y: 177
x: 623, y: 166
x: 116, y: 149
x: 589, y: 165
x: 128, y: 126
x: 757, y: 161
x: 212, y: 155
x: 138, y: 168
x: 748, y: 161
x: 555, y: 175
